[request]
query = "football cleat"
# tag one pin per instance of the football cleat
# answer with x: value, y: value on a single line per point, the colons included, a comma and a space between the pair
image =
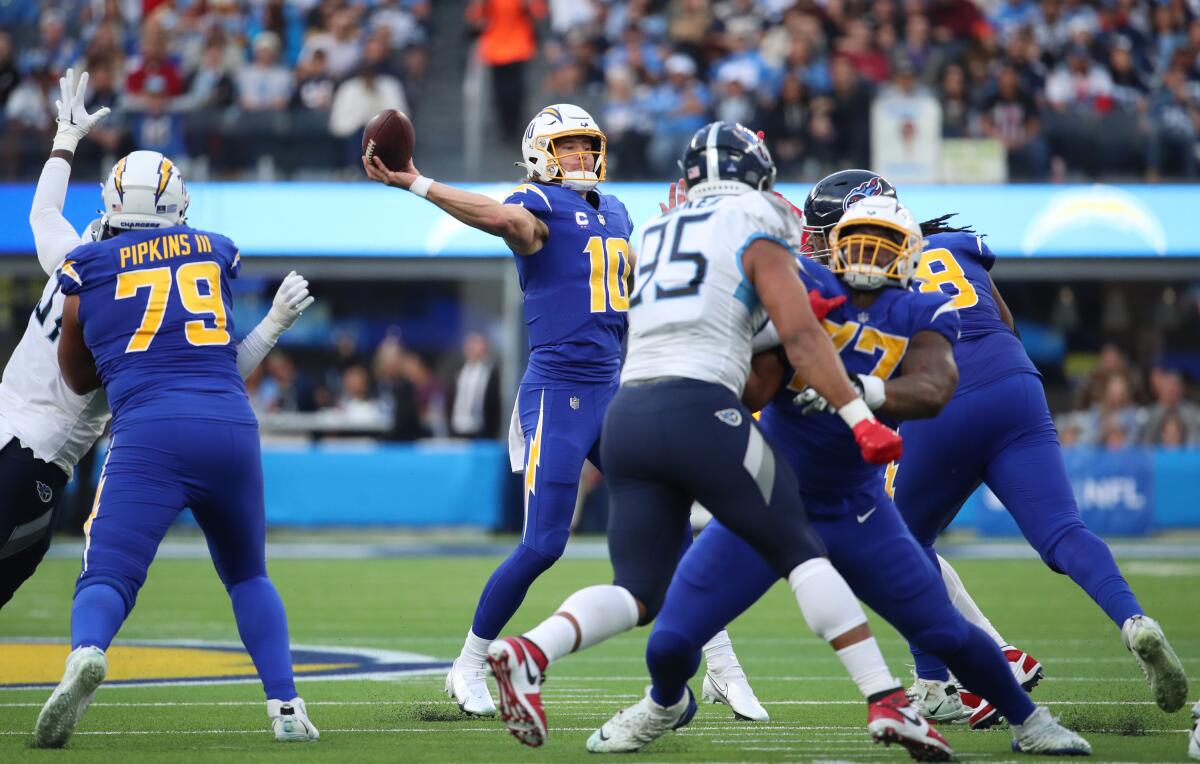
x: 937, y: 701
x: 1042, y: 734
x: 894, y: 720
x: 1027, y: 669
x: 1194, y: 738
x: 1145, y: 639
x: 290, y: 722
x: 642, y: 723
x: 86, y: 669
x: 980, y: 714
x: 468, y: 688
x: 731, y: 688
x: 519, y: 676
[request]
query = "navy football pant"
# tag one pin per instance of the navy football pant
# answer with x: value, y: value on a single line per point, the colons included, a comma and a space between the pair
x: 721, y: 576
x: 31, y: 492
x: 671, y: 442
x: 1002, y: 435
x: 153, y: 471
x: 562, y: 428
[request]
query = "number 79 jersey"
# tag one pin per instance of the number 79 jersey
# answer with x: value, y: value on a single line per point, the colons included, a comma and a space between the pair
x: 693, y: 312
x: 157, y: 316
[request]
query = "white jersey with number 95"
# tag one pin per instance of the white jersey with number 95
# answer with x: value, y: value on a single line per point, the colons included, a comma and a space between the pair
x: 693, y: 312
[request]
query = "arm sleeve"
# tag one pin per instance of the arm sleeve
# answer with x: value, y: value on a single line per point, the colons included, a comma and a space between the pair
x: 252, y: 350
x: 53, y: 236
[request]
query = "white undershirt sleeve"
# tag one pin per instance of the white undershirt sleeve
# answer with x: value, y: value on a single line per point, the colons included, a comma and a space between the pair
x: 53, y: 236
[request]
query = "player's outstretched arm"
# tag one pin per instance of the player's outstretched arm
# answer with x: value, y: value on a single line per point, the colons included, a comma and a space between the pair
x: 771, y: 270
x: 74, y: 359
x: 53, y: 236
x: 927, y: 380
x: 521, y: 230
x: 291, y: 300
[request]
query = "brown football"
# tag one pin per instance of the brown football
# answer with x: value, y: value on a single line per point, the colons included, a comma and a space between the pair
x: 390, y: 136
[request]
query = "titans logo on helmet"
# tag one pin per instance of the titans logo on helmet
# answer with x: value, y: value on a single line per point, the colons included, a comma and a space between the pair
x: 864, y: 190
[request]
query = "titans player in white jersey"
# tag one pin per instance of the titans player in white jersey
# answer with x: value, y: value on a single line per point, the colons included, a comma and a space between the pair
x: 45, y: 428
x: 709, y: 275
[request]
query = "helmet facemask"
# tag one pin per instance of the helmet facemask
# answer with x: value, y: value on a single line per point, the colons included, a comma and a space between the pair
x: 870, y: 255
x: 581, y: 179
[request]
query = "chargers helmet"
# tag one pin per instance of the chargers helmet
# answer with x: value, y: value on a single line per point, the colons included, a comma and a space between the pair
x: 830, y: 198
x: 726, y: 158
x: 542, y: 160
x: 876, y: 243
x: 144, y: 189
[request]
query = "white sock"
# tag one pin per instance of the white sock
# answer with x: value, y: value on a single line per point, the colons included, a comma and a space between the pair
x: 961, y: 599
x: 825, y: 599
x: 600, y: 611
x: 719, y: 655
x: 474, y: 652
x: 864, y: 663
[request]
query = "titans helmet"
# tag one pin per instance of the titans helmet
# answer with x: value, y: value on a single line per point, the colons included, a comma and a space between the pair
x: 726, y: 158
x: 830, y: 198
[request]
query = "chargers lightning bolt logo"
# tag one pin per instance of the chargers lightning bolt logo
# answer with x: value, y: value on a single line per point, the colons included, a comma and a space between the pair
x: 535, y: 454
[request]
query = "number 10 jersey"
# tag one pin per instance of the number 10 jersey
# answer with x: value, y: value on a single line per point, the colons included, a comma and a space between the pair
x: 693, y: 312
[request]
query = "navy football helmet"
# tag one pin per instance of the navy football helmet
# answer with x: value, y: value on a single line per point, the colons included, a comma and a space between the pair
x: 725, y: 158
x: 828, y: 200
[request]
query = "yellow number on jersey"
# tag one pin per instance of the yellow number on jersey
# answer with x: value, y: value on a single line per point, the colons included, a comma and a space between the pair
x: 610, y: 273
x: 158, y: 280
x: 949, y: 272
x: 189, y: 277
x: 870, y: 340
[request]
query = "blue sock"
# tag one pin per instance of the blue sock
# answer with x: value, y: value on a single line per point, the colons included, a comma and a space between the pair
x: 929, y: 666
x: 1089, y: 562
x: 262, y: 625
x: 672, y: 660
x: 980, y: 666
x: 506, y: 589
x: 96, y: 615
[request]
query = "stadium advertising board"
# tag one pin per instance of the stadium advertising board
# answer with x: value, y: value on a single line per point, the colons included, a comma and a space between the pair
x: 367, y: 220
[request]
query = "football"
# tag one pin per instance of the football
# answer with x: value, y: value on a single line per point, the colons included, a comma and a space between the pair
x: 390, y: 136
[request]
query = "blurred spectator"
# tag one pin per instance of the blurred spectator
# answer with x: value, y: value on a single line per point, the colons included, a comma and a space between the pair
x: 356, y: 402
x: 314, y: 85
x: 342, y: 44
x: 1079, y: 92
x: 786, y: 124
x: 397, y: 391
x: 1172, y: 140
x: 627, y: 124
x: 918, y: 50
x: 1115, y: 412
x: 264, y: 85
x: 29, y: 122
x: 156, y: 128
x: 1170, y: 416
x: 431, y: 398
x: 278, y: 390
x: 864, y: 55
x: 506, y: 45
x: 9, y: 76
x: 363, y: 96
x: 959, y: 119
x: 849, y: 116
x: 154, y: 65
x: 1095, y: 385
x: 680, y: 107
x: 54, y: 50
x: 211, y: 86
x: 733, y: 99
x: 474, y: 400
x: 1010, y: 116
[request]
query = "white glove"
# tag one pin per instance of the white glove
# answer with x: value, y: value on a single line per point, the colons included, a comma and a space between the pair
x: 74, y: 122
x: 869, y: 387
x: 290, y: 302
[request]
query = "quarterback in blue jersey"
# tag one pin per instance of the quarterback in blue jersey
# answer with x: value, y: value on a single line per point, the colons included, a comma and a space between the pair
x: 148, y: 317
x: 997, y: 430
x: 571, y: 244
x: 897, y: 347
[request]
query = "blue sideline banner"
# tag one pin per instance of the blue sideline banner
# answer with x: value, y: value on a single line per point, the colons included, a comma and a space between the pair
x: 1115, y: 492
x: 368, y: 220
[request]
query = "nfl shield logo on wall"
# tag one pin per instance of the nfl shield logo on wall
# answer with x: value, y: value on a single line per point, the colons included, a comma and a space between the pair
x: 574, y: 403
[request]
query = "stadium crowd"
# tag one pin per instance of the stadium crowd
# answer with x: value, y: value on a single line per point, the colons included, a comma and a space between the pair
x: 1070, y: 88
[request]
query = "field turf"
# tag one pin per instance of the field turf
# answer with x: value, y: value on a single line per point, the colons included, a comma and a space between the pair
x: 423, y: 605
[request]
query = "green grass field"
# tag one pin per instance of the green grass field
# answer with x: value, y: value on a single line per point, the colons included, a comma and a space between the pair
x: 423, y: 604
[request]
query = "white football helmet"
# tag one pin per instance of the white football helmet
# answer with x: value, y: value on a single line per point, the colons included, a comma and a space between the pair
x: 144, y: 190
x: 543, y: 162
x: 877, y: 243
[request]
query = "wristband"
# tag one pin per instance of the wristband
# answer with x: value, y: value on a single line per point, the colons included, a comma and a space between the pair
x: 420, y: 186
x: 873, y: 390
x: 854, y: 412
x: 64, y: 141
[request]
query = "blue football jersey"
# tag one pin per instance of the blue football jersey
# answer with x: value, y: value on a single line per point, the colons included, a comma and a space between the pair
x: 158, y: 318
x: 833, y: 476
x: 957, y: 265
x: 577, y: 286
